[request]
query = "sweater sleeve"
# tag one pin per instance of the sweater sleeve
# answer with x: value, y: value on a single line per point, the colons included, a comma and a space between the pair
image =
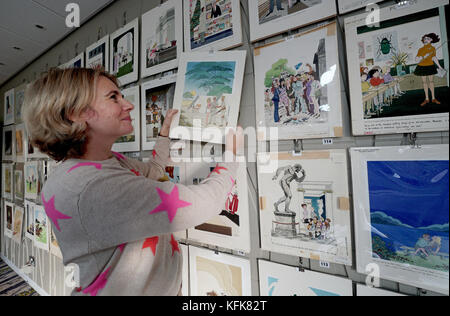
x: 117, y: 207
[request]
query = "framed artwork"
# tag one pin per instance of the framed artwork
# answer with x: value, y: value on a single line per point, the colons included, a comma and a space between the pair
x: 131, y: 142
x: 19, y: 99
x: 401, y: 214
x: 29, y: 219
x: 281, y: 280
x: 9, y: 111
x: 124, y: 53
x: 8, y: 181
x: 20, y: 142
x: 397, y: 71
x: 185, y: 276
x: 304, y: 205
x: 17, y: 224
x: 41, y: 228
x: 230, y: 229
x: 346, y: 6
x: 272, y: 17
x: 32, y: 183
x: 157, y: 97
x: 362, y: 290
x: 212, y: 24
x: 162, y: 38
x: 19, y: 186
x: 208, y: 95
x: 218, y: 274
x: 54, y: 246
x: 9, y: 143
x: 298, y: 86
x: 33, y: 152
x: 8, y: 219
x: 97, y: 55
x: 77, y: 62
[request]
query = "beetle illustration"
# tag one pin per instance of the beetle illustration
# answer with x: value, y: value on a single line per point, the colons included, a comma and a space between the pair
x: 385, y: 45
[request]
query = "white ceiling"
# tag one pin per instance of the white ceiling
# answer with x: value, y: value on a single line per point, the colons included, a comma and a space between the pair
x: 18, y: 20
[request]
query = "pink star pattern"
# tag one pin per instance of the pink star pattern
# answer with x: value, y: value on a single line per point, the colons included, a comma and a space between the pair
x: 151, y: 243
x: 154, y: 154
x: 174, y: 245
x: 98, y: 285
x: 119, y: 156
x: 218, y: 168
x: 86, y: 164
x: 122, y: 247
x: 52, y: 212
x: 135, y: 172
x: 170, y: 203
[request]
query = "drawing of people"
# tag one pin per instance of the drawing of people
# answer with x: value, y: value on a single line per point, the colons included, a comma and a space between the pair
x: 428, y: 66
x: 299, y: 102
x: 421, y: 245
x: 272, y: 7
x: 276, y: 99
x: 290, y: 173
x: 284, y: 99
x: 208, y: 111
x: 216, y: 11
x: 435, y: 245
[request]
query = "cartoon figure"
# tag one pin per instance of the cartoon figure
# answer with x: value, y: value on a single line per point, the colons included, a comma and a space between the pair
x: 428, y: 66
x: 272, y: 7
x: 284, y: 99
x: 276, y: 99
x: 290, y: 173
x: 208, y: 111
x: 421, y: 245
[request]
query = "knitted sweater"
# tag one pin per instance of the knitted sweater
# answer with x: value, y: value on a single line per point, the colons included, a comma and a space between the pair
x: 115, y: 221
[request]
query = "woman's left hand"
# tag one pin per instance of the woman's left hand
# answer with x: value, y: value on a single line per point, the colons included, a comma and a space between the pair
x: 165, y: 129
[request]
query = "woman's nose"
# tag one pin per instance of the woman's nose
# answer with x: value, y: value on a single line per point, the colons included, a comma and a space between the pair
x: 128, y: 106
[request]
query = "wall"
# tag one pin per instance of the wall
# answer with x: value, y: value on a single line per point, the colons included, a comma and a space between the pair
x: 49, y: 273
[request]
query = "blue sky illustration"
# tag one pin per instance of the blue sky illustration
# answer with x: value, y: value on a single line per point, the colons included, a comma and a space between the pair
x: 412, y: 194
x: 190, y: 85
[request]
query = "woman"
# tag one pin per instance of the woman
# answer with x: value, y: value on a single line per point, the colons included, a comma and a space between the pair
x: 427, y: 67
x: 111, y: 216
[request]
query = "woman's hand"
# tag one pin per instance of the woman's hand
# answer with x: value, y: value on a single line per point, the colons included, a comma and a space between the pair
x: 165, y: 129
x: 235, y: 141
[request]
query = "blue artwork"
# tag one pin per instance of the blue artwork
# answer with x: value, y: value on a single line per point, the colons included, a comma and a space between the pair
x: 409, y: 209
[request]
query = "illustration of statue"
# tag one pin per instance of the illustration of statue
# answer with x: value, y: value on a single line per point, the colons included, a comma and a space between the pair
x: 290, y: 173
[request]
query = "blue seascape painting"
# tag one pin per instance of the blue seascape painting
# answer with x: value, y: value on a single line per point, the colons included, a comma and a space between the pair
x: 409, y: 209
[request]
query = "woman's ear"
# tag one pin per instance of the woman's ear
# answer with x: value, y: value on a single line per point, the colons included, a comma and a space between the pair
x: 83, y: 117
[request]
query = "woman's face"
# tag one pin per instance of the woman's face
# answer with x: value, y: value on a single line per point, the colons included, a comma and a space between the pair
x: 427, y: 40
x: 109, y: 116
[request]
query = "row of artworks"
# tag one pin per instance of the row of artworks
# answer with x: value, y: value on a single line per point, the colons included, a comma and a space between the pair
x: 400, y: 208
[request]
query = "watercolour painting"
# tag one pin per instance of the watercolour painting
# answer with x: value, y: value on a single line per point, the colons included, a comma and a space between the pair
x: 162, y: 38
x: 401, y: 213
x: 398, y: 70
x: 272, y: 17
x: 212, y: 25
x: 281, y: 280
x: 124, y: 53
x: 218, y: 274
x: 298, y: 88
x: 304, y: 205
x: 208, y: 95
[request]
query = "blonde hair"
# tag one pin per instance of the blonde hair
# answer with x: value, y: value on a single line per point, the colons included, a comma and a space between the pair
x: 51, y: 101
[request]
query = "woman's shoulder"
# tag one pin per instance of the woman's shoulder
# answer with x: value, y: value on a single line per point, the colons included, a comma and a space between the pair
x: 73, y: 175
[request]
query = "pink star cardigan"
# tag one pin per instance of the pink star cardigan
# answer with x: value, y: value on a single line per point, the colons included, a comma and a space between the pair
x: 115, y: 221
